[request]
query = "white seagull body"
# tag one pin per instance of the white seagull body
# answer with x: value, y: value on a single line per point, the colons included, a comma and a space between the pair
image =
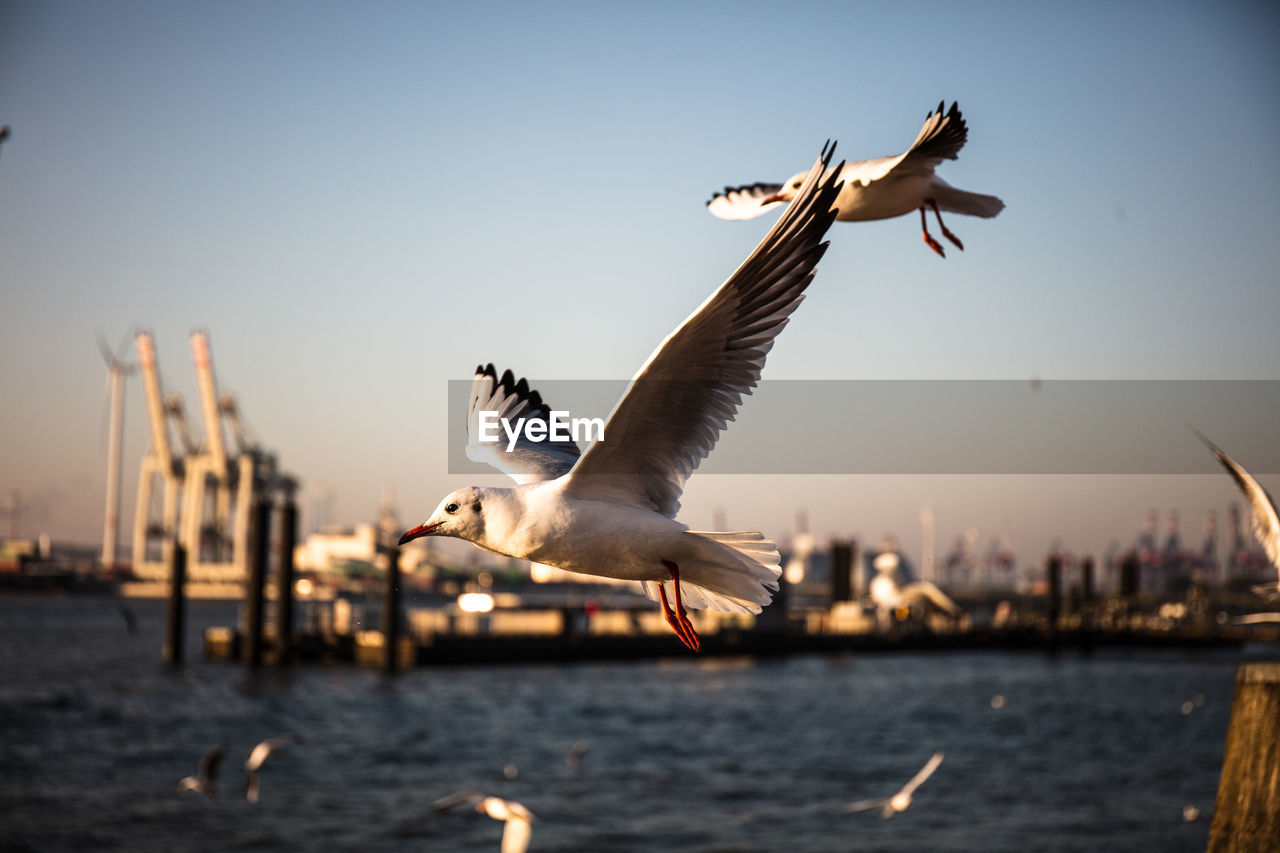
x: 900, y: 801
x: 1262, y: 507
x: 885, y: 187
x: 259, y: 756
x: 611, y: 510
x: 206, y: 779
x: 518, y: 822
x: 888, y: 595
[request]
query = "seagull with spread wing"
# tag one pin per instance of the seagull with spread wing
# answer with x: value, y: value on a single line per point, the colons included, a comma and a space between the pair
x: 1266, y: 520
x: 206, y: 779
x: 611, y: 511
x: 889, y: 806
x: 885, y: 187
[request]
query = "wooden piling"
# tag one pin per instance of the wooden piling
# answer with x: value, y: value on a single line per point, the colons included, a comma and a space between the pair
x: 1053, y: 571
x: 391, y: 613
x: 1247, y: 814
x: 842, y: 582
x: 259, y: 541
x: 284, y: 582
x: 175, y: 615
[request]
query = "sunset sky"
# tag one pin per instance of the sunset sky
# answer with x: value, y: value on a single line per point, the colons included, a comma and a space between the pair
x: 360, y: 202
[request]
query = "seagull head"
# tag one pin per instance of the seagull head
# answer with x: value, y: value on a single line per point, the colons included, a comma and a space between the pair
x: 458, y: 515
x: 789, y: 189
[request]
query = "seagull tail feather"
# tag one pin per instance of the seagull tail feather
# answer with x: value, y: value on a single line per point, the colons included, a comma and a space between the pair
x: 728, y: 572
x: 953, y: 200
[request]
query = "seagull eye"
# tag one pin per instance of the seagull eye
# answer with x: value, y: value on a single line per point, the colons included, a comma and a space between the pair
x: 796, y: 185
x: 451, y: 509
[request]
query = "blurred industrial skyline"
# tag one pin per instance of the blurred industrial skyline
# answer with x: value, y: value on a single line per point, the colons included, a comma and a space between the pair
x: 360, y: 204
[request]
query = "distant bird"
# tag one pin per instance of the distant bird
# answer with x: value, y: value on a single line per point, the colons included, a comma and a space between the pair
x: 882, y: 188
x: 888, y: 595
x: 901, y: 800
x: 573, y: 758
x: 1266, y: 521
x: 259, y: 755
x: 611, y: 510
x: 4, y: 133
x: 518, y: 820
x: 206, y: 779
x: 467, y: 797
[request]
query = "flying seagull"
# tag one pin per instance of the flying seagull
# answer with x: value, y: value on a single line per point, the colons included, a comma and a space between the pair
x: 206, y: 779
x: 611, y: 511
x: 573, y: 758
x: 258, y: 757
x: 888, y: 595
x: 1266, y: 522
x: 885, y: 187
x: 518, y: 822
x: 898, y: 802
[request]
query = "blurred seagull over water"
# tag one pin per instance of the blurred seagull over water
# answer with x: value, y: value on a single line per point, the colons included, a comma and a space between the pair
x: 611, y: 510
x: 900, y: 801
x: 518, y: 820
x: 573, y: 758
x: 206, y: 779
x: 258, y: 757
x: 1266, y: 522
x: 885, y: 187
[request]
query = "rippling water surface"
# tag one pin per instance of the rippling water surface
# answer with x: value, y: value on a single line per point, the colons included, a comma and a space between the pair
x: 685, y: 753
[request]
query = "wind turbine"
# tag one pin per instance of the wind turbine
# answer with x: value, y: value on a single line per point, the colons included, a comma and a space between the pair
x: 117, y: 371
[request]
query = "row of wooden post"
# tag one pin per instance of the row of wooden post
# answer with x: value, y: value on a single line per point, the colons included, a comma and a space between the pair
x: 253, y: 645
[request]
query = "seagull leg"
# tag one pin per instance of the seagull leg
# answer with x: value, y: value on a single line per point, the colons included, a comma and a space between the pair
x: 945, y: 233
x: 678, y: 619
x: 928, y: 239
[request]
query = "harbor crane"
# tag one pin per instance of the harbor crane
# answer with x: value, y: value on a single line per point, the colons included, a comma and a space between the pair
x: 221, y: 487
x: 162, y: 463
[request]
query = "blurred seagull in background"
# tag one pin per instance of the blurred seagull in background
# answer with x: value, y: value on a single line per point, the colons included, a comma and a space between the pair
x: 206, y: 779
x: 888, y: 595
x: 885, y: 187
x: 466, y: 797
x: 611, y: 510
x: 258, y: 757
x: 573, y: 758
x: 518, y: 820
x: 1266, y: 522
x: 901, y: 800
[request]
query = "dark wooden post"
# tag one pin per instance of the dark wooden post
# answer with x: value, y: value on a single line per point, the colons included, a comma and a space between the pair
x: 284, y: 581
x: 841, y: 571
x: 1129, y: 576
x: 259, y: 542
x: 1086, y: 580
x: 1247, y: 814
x: 1053, y: 570
x: 391, y: 613
x: 175, y: 616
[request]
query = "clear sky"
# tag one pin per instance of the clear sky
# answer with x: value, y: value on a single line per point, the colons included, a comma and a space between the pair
x: 360, y: 202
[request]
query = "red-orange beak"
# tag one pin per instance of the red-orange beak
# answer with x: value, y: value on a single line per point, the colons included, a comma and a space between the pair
x: 769, y: 199
x: 418, y: 532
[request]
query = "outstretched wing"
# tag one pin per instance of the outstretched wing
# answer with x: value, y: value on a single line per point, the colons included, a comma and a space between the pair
x: 1266, y: 523
x: 925, y: 772
x: 940, y: 138
x: 692, y: 385
x: 743, y: 202
x: 504, y: 400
